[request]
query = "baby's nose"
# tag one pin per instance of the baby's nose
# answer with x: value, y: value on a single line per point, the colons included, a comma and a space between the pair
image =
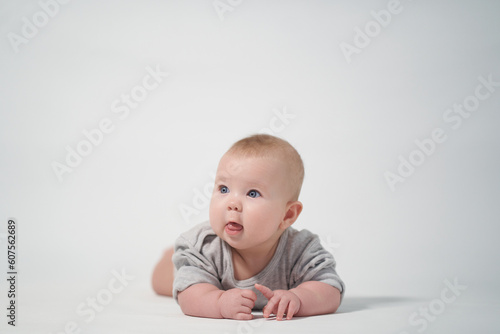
x: 234, y: 206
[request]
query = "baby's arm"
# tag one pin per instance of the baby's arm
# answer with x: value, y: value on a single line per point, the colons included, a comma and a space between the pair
x: 309, y: 298
x: 317, y: 298
x: 206, y: 300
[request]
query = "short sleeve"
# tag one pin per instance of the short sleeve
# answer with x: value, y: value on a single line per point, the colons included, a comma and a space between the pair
x: 316, y: 264
x: 192, y: 264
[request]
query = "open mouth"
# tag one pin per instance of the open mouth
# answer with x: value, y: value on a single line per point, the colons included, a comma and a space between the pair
x: 233, y: 228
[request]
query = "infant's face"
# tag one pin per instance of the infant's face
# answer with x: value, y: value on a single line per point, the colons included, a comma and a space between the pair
x: 249, y: 201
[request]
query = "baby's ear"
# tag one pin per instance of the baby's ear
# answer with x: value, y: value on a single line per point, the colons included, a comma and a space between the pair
x: 292, y: 213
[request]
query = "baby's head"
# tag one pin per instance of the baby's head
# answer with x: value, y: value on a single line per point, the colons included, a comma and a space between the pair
x: 256, y: 191
x: 277, y: 149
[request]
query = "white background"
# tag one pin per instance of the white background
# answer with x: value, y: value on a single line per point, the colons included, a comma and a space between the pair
x: 230, y: 73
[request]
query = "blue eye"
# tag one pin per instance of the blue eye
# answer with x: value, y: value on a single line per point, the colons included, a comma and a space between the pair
x: 223, y: 189
x: 253, y: 193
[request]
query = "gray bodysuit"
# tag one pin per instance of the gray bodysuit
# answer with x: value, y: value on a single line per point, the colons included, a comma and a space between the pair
x: 202, y: 257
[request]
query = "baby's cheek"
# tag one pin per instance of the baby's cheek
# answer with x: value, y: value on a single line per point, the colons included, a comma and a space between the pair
x: 215, y: 206
x: 214, y: 216
x: 264, y: 218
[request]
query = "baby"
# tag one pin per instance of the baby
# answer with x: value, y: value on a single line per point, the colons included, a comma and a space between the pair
x: 247, y: 256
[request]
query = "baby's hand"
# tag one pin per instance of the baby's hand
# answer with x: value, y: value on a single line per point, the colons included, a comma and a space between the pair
x: 280, y: 302
x: 237, y: 304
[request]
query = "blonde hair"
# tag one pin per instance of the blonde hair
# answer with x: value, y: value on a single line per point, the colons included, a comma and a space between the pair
x: 267, y: 146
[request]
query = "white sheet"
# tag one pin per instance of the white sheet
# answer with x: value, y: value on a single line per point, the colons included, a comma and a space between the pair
x: 49, y: 309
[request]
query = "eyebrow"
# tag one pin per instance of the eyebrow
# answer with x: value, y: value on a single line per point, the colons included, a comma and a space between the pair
x: 220, y: 178
x: 257, y: 184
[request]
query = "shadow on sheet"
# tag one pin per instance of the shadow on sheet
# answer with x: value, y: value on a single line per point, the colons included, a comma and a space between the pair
x: 353, y: 304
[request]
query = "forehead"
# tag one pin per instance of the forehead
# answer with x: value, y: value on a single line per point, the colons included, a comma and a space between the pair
x: 248, y: 167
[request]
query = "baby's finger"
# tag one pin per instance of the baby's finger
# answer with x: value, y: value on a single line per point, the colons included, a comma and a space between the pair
x: 270, y: 307
x: 292, y: 309
x: 249, y: 294
x: 244, y: 309
x: 243, y: 316
x: 282, y: 308
x: 265, y: 312
x: 268, y: 293
x: 247, y: 302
